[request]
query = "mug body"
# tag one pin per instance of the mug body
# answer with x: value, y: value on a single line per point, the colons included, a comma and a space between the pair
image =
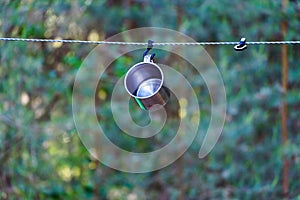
x: 144, y: 82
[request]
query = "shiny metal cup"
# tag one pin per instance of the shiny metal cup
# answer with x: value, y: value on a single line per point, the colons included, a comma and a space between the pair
x: 144, y: 82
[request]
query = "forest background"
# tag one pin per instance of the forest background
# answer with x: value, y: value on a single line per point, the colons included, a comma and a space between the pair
x: 258, y: 154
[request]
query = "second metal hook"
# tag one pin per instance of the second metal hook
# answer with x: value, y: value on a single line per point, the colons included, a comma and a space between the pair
x: 241, y: 46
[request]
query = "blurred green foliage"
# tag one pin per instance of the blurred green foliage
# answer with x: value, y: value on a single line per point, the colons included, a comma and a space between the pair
x: 41, y: 154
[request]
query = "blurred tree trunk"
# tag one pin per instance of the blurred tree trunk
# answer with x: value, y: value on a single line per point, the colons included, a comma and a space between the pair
x: 284, y: 111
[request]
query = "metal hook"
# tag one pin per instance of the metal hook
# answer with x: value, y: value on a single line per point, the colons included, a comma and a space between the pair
x: 241, y: 46
x: 150, y: 46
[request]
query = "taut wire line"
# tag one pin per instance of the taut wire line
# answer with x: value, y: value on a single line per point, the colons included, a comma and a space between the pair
x: 145, y: 43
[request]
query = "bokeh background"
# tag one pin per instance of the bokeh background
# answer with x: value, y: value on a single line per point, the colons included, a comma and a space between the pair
x: 41, y: 155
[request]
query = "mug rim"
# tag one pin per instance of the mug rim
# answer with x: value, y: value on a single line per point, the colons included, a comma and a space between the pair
x: 136, y: 65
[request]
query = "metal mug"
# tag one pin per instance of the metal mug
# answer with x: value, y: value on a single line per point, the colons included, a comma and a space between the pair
x: 144, y: 82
